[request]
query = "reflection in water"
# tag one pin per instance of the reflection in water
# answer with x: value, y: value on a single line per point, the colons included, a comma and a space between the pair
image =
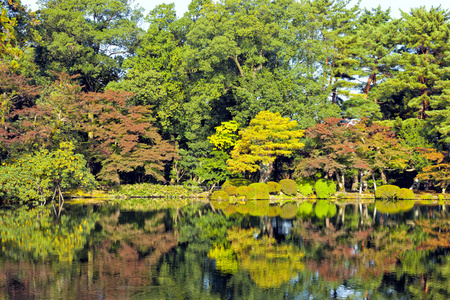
x: 253, y: 250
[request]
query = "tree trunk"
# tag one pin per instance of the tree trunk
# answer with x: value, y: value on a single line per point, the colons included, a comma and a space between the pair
x: 374, y: 183
x: 265, y: 171
x: 383, y: 176
x: 355, y: 182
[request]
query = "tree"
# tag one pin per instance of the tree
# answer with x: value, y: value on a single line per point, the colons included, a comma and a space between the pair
x: 439, y: 169
x: 44, y: 175
x: 90, y: 38
x: 268, y: 135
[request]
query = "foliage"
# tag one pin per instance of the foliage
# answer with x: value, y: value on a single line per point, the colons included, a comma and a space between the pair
x: 439, y: 169
x: 220, y: 195
x: 44, y: 174
x: 274, y: 187
x: 387, y: 192
x: 269, y: 135
x: 230, y: 190
x: 236, y: 182
x: 274, y: 211
x: 155, y: 190
x: 325, y: 188
x: 245, y: 191
x: 288, y: 187
x: 225, y: 136
x: 405, y: 194
x: 306, y: 186
x: 261, y: 189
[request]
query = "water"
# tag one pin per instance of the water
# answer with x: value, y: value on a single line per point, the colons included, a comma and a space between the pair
x: 254, y: 251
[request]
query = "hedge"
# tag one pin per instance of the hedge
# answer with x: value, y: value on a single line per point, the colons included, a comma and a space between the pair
x: 288, y: 187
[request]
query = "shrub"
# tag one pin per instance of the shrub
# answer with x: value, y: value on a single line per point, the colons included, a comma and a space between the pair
x: 220, y: 196
x: 261, y: 190
x: 288, y: 187
x: 441, y: 197
x: 229, y: 210
x: 243, y: 209
x: 325, y: 188
x: 236, y: 182
x: 404, y: 194
x: 306, y: 186
x: 274, y: 187
x: 247, y: 192
x: 230, y: 190
x: 394, y: 207
x: 387, y: 192
x: 288, y: 211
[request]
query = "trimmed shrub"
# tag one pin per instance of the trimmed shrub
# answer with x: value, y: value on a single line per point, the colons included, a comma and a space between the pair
x: 220, y: 196
x: 243, y: 209
x: 230, y: 190
x: 325, y: 188
x: 405, y: 194
x: 261, y: 190
x: 274, y: 187
x: 229, y: 210
x: 245, y: 191
x: 288, y: 211
x: 236, y: 182
x: 306, y: 186
x: 388, y: 192
x: 325, y: 209
x: 288, y: 187
x: 441, y: 197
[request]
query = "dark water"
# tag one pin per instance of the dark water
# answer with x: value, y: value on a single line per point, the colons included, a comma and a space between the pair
x: 303, y: 250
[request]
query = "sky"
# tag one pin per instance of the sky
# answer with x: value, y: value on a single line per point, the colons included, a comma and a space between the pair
x: 405, y: 5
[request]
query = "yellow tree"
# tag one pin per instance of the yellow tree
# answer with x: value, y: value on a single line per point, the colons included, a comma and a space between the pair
x: 268, y: 136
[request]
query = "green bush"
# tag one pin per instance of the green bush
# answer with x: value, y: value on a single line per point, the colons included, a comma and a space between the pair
x: 236, y: 182
x: 219, y: 204
x: 274, y: 187
x: 325, y: 188
x: 230, y: 190
x: 288, y: 211
x: 220, y: 196
x: 247, y: 192
x: 258, y: 208
x: 306, y: 186
x: 261, y: 190
x: 405, y: 194
x: 441, y: 197
x: 387, y: 192
x: 288, y: 187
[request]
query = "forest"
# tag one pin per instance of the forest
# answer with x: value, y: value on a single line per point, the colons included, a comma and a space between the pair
x: 94, y: 93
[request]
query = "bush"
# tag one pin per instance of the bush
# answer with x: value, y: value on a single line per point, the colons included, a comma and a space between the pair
x: 236, y: 182
x: 230, y: 190
x: 258, y: 208
x: 305, y: 210
x: 274, y: 187
x: 387, y: 192
x: 288, y: 187
x: 325, y: 188
x: 220, y: 196
x: 261, y: 190
x: 405, y: 194
x: 395, y: 207
x: 247, y: 192
x: 219, y: 204
x: 288, y: 211
x: 306, y: 186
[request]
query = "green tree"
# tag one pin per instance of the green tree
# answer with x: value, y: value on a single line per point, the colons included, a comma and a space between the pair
x: 268, y: 135
x: 90, y: 38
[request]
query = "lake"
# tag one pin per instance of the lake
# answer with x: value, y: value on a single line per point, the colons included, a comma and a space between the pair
x: 256, y: 250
